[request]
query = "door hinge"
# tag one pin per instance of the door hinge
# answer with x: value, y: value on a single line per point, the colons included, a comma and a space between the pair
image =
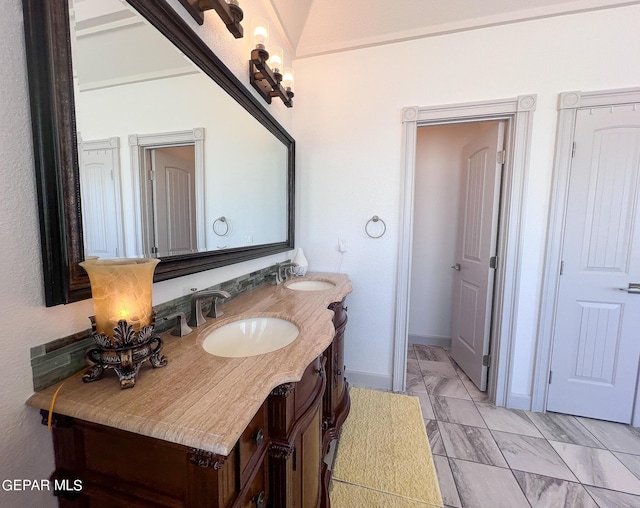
x: 573, y: 150
x: 561, y: 267
x: 550, y: 376
x: 486, y: 361
x: 152, y: 175
x: 501, y: 157
x: 154, y: 250
x: 493, y: 262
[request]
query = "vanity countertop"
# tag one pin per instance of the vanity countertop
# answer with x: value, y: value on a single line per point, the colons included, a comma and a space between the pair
x: 201, y: 400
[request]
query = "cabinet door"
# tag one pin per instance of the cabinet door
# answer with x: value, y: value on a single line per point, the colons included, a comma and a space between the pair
x: 295, y: 431
x: 306, y: 464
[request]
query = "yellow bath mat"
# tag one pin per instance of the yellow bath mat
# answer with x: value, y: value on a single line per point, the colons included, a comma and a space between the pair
x: 345, y: 495
x: 384, y: 454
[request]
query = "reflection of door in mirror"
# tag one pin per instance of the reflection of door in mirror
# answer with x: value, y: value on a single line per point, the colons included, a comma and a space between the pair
x: 173, y: 201
x: 100, y: 197
x: 129, y: 78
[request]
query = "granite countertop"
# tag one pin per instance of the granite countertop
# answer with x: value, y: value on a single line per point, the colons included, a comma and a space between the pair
x: 205, y: 401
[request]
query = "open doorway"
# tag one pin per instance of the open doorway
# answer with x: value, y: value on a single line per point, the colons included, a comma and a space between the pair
x: 458, y: 173
x: 518, y: 113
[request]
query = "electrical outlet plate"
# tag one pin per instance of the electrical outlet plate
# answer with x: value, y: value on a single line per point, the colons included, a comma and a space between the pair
x: 342, y: 245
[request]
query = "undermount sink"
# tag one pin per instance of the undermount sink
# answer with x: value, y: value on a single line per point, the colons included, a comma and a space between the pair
x: 250, y: 337
x: 311, y: 285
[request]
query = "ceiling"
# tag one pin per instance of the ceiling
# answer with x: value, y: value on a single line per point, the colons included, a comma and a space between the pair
x: 326, y: 26
x: 127, y: 48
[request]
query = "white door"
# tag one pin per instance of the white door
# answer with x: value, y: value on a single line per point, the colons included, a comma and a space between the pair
x: 476, y: 245
x: 174, y: 200
x: 100, y: 217
x: 596, y: 344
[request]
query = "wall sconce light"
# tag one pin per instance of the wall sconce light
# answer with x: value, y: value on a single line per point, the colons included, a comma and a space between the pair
x: 287, y: 80
x: 124, y: 319
x: 229, y: 11
x: 265, y: 72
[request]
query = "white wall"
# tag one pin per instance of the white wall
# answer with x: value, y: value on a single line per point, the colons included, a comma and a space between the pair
x: 25, y: 446
x: 435, y: 227
x: 348, y: 128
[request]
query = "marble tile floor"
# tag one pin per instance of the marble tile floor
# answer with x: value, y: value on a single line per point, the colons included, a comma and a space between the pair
x: 491, y: 457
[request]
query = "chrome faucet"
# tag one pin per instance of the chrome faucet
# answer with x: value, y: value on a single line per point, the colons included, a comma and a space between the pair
x: 284, y: 271
x: 201, y: 297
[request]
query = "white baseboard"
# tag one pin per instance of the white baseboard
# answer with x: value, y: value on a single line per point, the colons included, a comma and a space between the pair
x: 430, y: 340
x: 368, y: 380
x: 519, y: 401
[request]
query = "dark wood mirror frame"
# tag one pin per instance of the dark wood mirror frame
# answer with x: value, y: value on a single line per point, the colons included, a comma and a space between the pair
x: 46, y: 26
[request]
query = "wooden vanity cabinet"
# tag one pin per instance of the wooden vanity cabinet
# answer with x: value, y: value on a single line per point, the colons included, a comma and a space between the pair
x: 336, y: 401
x: 123, y: 469
x: 276, y: 463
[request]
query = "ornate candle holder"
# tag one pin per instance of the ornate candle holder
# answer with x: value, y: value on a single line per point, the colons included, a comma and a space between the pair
x: 124, y: 319
x: 125, y: 353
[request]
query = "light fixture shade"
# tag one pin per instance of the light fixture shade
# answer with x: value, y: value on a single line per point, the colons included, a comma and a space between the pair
x: 121, y: 290
x: 260, y: 32
x: 287, y: 78
x: 276, y: 59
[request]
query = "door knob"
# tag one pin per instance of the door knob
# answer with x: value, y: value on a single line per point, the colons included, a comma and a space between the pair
x: 456, y: 267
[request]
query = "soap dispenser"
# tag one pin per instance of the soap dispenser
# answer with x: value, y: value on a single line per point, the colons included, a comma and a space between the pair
x: 301, y: 261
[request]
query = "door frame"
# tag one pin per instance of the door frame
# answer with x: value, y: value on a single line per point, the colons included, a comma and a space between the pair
x: 568, y: 105
x: 137, y: 145
x: 518, y: 111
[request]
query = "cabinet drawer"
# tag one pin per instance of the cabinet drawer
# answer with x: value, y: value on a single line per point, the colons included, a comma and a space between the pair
x: 252, y: 442
x: 311, y: 379
x: 256, y: 495
x: 339, y: 314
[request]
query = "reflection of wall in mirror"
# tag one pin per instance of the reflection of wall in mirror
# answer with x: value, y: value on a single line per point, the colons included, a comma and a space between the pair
x: 245, y: 165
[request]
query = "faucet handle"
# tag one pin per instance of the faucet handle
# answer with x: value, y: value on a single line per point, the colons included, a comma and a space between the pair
x: 181, y: 329
x: 215, y: 311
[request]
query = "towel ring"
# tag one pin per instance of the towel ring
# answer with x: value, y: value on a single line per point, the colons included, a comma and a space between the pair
x: 222, y: 220
x: 375, y: 218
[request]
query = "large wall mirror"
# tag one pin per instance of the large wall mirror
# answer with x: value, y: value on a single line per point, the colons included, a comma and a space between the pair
x: 146, y: 145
